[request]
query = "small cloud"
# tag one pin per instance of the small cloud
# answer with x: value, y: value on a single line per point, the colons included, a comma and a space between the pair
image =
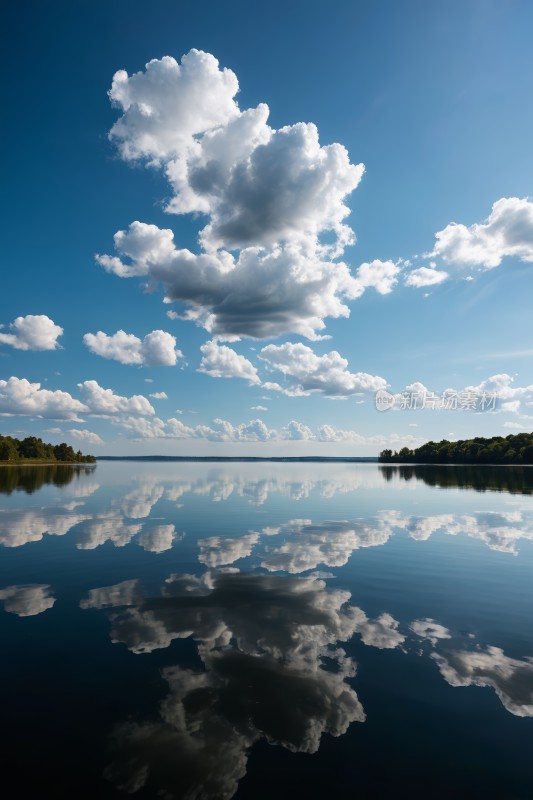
x: 32, y: 332
x: 85, y: 435
x: 507, y: 232
x: 259, y: 408
x: 159, y: 395
x: 310, y: 373
x: 425, y: 276
x: 158, y: 348
x: 221, y: 361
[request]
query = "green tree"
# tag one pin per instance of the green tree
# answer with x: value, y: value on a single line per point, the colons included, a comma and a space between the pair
x: 8, y: 449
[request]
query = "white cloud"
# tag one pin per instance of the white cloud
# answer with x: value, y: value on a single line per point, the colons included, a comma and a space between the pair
x: 425, y: 276
x: 220, y: 361
x: 327, y: 374
x: 260, y: 294
x: 328, y: 433
x: 297, y: 430
x: 259, y: 408
x: 508, y: 232
x: 379, y: 275
x: 510, y: 396
x: 85, y: 435
x: 253, y: 431
x: 142, y: 428
x: 158, y: 348
x: 159, y: 395
x: 32, y: 332
x: 259, y: 187
x: 287, y: 188
x: 256, y: 431
x: 515, y: 426
x: 166, y: 107
x: 104, y: 402
x: 499, y: 387
x: 20, y: 397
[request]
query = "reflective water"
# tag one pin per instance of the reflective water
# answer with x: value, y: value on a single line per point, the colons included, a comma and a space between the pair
x: 267, y: 630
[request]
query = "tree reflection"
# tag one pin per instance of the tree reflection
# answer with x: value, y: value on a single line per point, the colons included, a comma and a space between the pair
x: 510, y: 478
x: 30, y: 479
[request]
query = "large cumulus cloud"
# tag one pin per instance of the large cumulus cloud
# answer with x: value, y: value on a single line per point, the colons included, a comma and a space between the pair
x: 257, y: 293
x: 270, y: 194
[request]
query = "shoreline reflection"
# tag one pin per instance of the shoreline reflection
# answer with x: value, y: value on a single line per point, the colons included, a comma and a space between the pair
x: 512, y: 478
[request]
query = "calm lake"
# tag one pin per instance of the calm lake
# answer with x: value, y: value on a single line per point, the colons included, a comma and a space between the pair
x: 267, y: 630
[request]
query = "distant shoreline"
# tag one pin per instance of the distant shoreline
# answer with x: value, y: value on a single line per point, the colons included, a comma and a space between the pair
x: 296, y: 459
x: 36, y: 463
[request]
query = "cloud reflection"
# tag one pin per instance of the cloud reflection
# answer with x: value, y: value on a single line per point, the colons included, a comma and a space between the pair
x: 330, y: 543
x: 216, y: 551
x: 138, y: 503
x: 20, y: 526
x: 264, y: 642
x: 96, y: 532
x: 159, y: 538
x: 27, y: 600
x: 381, y: 632
x: 222, y: 483
x: 511, y: 679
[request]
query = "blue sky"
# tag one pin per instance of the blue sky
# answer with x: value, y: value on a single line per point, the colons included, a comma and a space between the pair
x: 417, y: 270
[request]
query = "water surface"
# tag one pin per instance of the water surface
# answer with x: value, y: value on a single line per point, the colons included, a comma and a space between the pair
x: 267, y: 630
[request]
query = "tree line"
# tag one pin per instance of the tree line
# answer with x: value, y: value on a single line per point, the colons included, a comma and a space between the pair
x: 512, y: 449
x: 19, y: 450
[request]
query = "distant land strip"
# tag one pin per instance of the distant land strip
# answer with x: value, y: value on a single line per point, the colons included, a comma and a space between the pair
x: 317, y: 459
